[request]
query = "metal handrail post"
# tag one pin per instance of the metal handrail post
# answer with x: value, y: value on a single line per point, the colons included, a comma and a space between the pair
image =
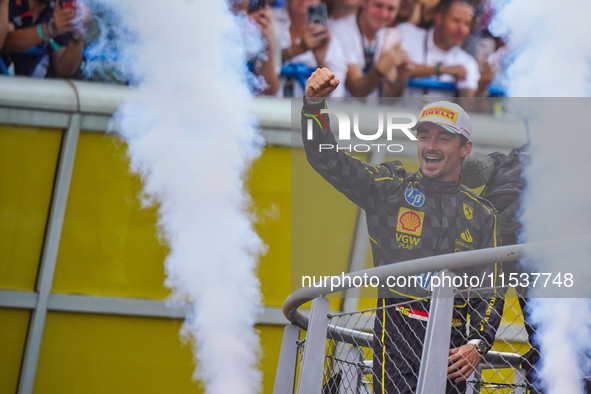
x: 433, y: 371
x: 288, y: 357
x: 312, y: 366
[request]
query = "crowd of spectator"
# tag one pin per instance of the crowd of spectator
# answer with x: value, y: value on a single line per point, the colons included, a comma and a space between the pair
x: 377, y: 48
x: 43, y: 38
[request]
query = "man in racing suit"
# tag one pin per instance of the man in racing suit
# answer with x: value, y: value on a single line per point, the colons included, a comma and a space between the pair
x: 413, y: 215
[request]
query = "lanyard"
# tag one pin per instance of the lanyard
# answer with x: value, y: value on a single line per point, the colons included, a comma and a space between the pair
x: 426, y: 49
x: 369, y: 51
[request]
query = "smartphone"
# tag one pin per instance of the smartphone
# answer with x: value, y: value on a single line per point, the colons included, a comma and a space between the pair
x: 483, y: 49
x: 255, y: 5
x: 317, y: 14
x: 67, y: 3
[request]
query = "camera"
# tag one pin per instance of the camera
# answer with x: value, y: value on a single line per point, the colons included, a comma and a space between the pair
x: 255, y: 5
x: 317, y: 14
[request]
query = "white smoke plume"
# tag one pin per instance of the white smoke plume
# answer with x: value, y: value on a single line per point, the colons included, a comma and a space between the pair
x: 551, y: 57
x: 550, y: 51
x: 556, y: 206
x: 191, y: 136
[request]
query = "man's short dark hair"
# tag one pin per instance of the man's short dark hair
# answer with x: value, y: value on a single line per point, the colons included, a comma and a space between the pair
x: 444, y: 5
x: 463, y: 140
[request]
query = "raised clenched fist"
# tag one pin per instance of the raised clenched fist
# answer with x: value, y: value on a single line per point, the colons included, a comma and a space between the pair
x: 321, y: 83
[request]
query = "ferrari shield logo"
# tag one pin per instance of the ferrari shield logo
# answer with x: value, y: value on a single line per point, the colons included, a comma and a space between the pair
x: 468, y: 211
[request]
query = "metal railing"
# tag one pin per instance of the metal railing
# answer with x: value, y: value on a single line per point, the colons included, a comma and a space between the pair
x: 302, y: 72
x: 318, y: 326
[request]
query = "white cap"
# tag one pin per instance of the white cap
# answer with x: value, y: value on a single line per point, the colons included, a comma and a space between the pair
x: 448, y: 115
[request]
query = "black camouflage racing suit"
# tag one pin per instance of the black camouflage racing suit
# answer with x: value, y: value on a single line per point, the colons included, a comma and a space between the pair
x: 409, y: 216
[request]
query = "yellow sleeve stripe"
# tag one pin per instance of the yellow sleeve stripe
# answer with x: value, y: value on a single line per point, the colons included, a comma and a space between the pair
x: 495, y: 232
x: 472, y: 197
x: 496, y: 264
x: 373, y: 240
x: 383, y: 179
x: 478, y: 201
x: 353, y: 156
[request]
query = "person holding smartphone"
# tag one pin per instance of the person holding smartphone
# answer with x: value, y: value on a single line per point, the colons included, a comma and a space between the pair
x: 377, y: 66
x: 51, y: 27
x: 266, y: 64
x: 306, y: 39
x: 269, y: 67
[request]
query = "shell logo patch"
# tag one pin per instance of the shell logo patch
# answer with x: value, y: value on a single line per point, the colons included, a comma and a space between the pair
x: 441, y: 112
x: 468, y: 211
x: 466, y: 236
x: 410, y: 221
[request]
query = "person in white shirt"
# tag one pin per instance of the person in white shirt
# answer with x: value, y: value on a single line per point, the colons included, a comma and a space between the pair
x: 376, y: 63
x: 436, y: 52
x: 308, y: 44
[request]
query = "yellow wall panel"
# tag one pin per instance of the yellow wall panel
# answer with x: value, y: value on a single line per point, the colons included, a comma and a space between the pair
x: 111, y: 354
x: 323, y: 225
x: 293, y: 205
x: 28, y: 159
x: 13, y: 329
x: 271, y: 337
x: 109, y: 244
x: 270, y: 186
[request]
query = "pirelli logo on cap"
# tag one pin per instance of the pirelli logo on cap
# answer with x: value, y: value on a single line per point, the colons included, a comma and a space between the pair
x: 441, y: 112
x: 410, y: 221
